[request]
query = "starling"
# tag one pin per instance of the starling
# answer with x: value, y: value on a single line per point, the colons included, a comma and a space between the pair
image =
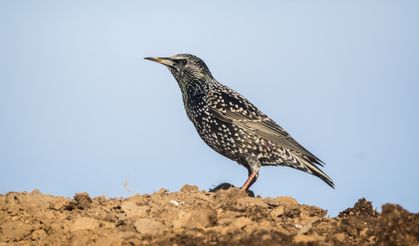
x: 233, y: 126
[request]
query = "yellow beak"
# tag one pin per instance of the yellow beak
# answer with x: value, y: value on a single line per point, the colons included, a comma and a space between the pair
x: 162, y: 60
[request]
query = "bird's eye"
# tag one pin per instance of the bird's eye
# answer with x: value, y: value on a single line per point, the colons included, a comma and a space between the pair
x: 181, y: 62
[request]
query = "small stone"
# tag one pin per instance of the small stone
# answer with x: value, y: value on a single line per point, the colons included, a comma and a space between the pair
x: 347, y: 226
x: 189, y: 189
x: 240, y: 223
x: 36, y: 192
x: 259, y: 226
x: 307, y: 227
x: 271, y: 201
x: 363, y: 232
x: 107, y: 225
x: 148, y: 226
x: 246, y: 202
x: 277, y: 212
x: 225, y: 221
x: 174, y: 202
x: 161, y: 193
x: 12, y: 198
x: 57, y: 205
x: 266, y: 237
x: 292, y: 211
x: 286, y: 201
x: 83, y: 199
x: 133, y: 210
x: 305, y: 239
x: 340, y: 237
x: 38, y: 235
x: 202, y: 218
x: 84, y: 223
x: 314, y: 211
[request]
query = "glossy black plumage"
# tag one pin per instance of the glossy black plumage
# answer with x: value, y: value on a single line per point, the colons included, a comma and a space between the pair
x: 233, y: 126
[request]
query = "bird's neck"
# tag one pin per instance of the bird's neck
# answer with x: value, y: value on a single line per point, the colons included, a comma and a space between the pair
x: 193, y: 92
x: 192, y: 87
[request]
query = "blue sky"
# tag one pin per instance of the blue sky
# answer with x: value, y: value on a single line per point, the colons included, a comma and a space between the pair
x: 81, y: 110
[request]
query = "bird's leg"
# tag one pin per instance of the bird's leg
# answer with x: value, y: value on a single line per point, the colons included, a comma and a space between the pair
x: 253, y: 166
x: 249, y: 181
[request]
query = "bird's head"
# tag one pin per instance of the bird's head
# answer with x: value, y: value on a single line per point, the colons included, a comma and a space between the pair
x: 185, y: 67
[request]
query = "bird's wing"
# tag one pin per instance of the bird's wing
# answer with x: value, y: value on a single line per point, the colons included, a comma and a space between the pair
x: 258, y: 123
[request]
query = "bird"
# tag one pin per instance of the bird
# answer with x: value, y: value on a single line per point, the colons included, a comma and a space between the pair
x: 232, y: 126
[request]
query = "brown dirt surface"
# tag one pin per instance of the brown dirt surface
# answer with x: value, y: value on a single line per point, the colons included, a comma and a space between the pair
x: 193, y: 217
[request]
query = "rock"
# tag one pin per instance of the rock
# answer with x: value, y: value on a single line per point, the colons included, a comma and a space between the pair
x: 38, y: 235
x: 363, y: 232
x: 286, y: 201
x: 81, y: 201
x: 305, y: 239
x: 161, y: 193
x: 246, y: 202
x: 133, y: 210
x: 313, y: 211
x: 277, y: 212
x: 230, y: 195
x: 200, y: 219
x: 340, y: 237
x: 15, y: 231
x: 59, y: 204
x: 189, y: 189
x: 271, y: 201
x: 174, y: 202
x: 362, y: 208
x: 225, y: 221
x: 35, y: 192
x: 148, y: 226
x: 266, y: 237
x: 106, y: 225
x: 12, y: 198
x: 347, y: 226
x: 84, y: 223
x: 257, y: 226
x: 240, y: 223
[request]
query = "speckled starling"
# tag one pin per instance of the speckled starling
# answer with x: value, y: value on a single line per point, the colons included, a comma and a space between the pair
x: 233, y: 126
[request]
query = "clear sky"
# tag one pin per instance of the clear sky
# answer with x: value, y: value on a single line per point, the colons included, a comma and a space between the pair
x: 80, y: 110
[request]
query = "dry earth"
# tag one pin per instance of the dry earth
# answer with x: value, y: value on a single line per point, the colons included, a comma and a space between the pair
x: 193, y: 217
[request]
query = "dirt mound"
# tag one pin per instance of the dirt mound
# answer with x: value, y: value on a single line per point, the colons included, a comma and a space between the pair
x: 193, y: 217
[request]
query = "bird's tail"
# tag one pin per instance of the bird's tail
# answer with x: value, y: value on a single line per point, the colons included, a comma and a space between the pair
x: 310, y: 166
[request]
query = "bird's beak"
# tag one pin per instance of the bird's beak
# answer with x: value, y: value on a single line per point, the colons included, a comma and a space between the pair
x: 162, y: 60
